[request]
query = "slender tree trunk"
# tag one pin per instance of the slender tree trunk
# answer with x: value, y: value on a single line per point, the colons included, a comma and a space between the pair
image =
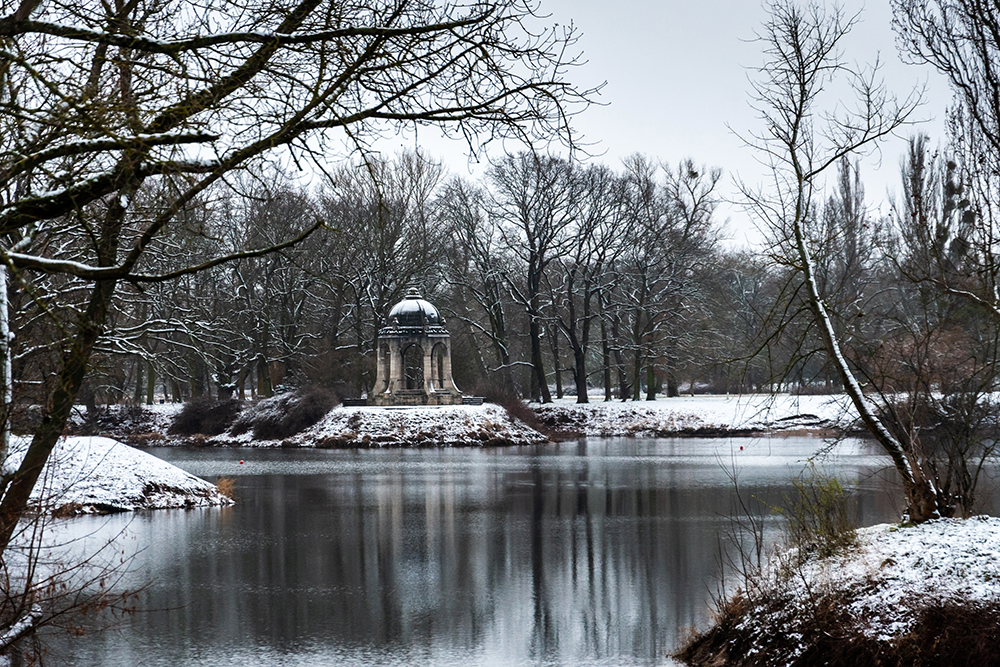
x: 672, y: 389
x: 6, y: 381
x: 140, y: 381
x: 579, y: 357
x: 555, y: 362
x: 616, y: 350
x: 605, y: 356
x: 150, y: 382
x: 637, y: 373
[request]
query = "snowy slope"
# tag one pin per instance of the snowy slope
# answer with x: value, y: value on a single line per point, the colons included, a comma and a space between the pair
x: 897, y: 569
x: 877, y: 591
x: 90, y: 474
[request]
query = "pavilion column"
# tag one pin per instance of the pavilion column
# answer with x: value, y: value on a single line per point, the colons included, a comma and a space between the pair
x: 428, y: 368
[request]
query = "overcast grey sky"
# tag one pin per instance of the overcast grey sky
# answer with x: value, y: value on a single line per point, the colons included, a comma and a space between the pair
x: 677, y: 81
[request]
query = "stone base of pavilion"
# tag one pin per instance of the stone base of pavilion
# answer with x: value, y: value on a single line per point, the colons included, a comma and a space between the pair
x: 416, y: 398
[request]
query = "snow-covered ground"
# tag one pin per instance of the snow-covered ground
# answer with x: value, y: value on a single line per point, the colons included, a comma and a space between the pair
x: 879, y: 587
x: 705, y: 415
x: 92, y: 474
x: 699, y: 415
x: 485, y: 424
x: 943, y: 560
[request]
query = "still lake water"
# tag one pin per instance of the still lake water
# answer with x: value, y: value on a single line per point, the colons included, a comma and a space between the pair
x: 597, y: 552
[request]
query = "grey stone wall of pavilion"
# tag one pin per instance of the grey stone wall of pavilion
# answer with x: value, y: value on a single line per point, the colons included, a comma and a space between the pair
x: 414, y: 357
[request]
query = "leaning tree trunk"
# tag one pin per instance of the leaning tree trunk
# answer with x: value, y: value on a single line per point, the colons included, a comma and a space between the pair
x: 921, y: 495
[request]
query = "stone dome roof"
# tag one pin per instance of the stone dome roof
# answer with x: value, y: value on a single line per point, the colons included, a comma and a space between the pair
x: 413, y: 311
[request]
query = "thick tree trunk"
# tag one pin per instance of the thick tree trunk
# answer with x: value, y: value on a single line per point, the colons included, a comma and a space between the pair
x: 263, y: 378
x: 637, y: 373
x: 140, y: 382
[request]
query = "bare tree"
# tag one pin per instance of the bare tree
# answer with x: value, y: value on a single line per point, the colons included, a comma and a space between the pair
x: 961, y: 39
x: 478, y: 267
x: 803, y: 59
x: 387, y: 241
x: 534, y: 203
x: 597, y: 239
x: 671, y: 240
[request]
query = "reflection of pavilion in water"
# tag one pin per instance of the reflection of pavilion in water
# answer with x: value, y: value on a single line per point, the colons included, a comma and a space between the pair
x: 414, y: 357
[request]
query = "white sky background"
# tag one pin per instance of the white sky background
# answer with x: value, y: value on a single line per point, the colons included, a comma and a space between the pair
x: 677, y: 81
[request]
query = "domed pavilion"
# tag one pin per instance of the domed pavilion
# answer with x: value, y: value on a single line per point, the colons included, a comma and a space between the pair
x: 414, y: 357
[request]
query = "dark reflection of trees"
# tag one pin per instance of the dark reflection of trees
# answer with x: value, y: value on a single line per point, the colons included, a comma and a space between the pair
x: 533, y: 557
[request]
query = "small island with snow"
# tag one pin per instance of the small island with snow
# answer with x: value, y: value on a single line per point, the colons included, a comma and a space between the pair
x: 97, y: 475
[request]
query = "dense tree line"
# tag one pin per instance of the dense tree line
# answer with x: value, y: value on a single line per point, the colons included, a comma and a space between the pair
x: 553, y: 274
x: 558, y: 277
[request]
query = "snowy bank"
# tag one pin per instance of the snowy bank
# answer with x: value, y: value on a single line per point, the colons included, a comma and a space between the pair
x: 926, y: 594
x: 93, y: 474
x: 439, y: 426
x: 700, y: 415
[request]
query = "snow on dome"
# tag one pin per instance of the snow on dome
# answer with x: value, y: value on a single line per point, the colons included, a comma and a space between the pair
x: 413, y: 311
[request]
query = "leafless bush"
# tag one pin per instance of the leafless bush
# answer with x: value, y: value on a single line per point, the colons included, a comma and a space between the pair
x: 50, y: 583
x: 206, y: 416
x: 818, y: 514
x: 506, y: 396
x: 285, y: 415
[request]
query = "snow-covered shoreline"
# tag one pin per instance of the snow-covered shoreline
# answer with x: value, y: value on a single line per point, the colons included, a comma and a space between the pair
x: 706, y: 415
x: 875, y: 596
x: 489, y: 424
x: 87, y: 475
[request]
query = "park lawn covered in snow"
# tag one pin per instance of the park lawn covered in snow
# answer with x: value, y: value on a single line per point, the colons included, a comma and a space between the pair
x: 94, y: 474
x: 704, y: 415
x: 926, y: 594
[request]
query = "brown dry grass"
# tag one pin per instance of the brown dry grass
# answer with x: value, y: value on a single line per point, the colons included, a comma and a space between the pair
x: 227, y: 487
